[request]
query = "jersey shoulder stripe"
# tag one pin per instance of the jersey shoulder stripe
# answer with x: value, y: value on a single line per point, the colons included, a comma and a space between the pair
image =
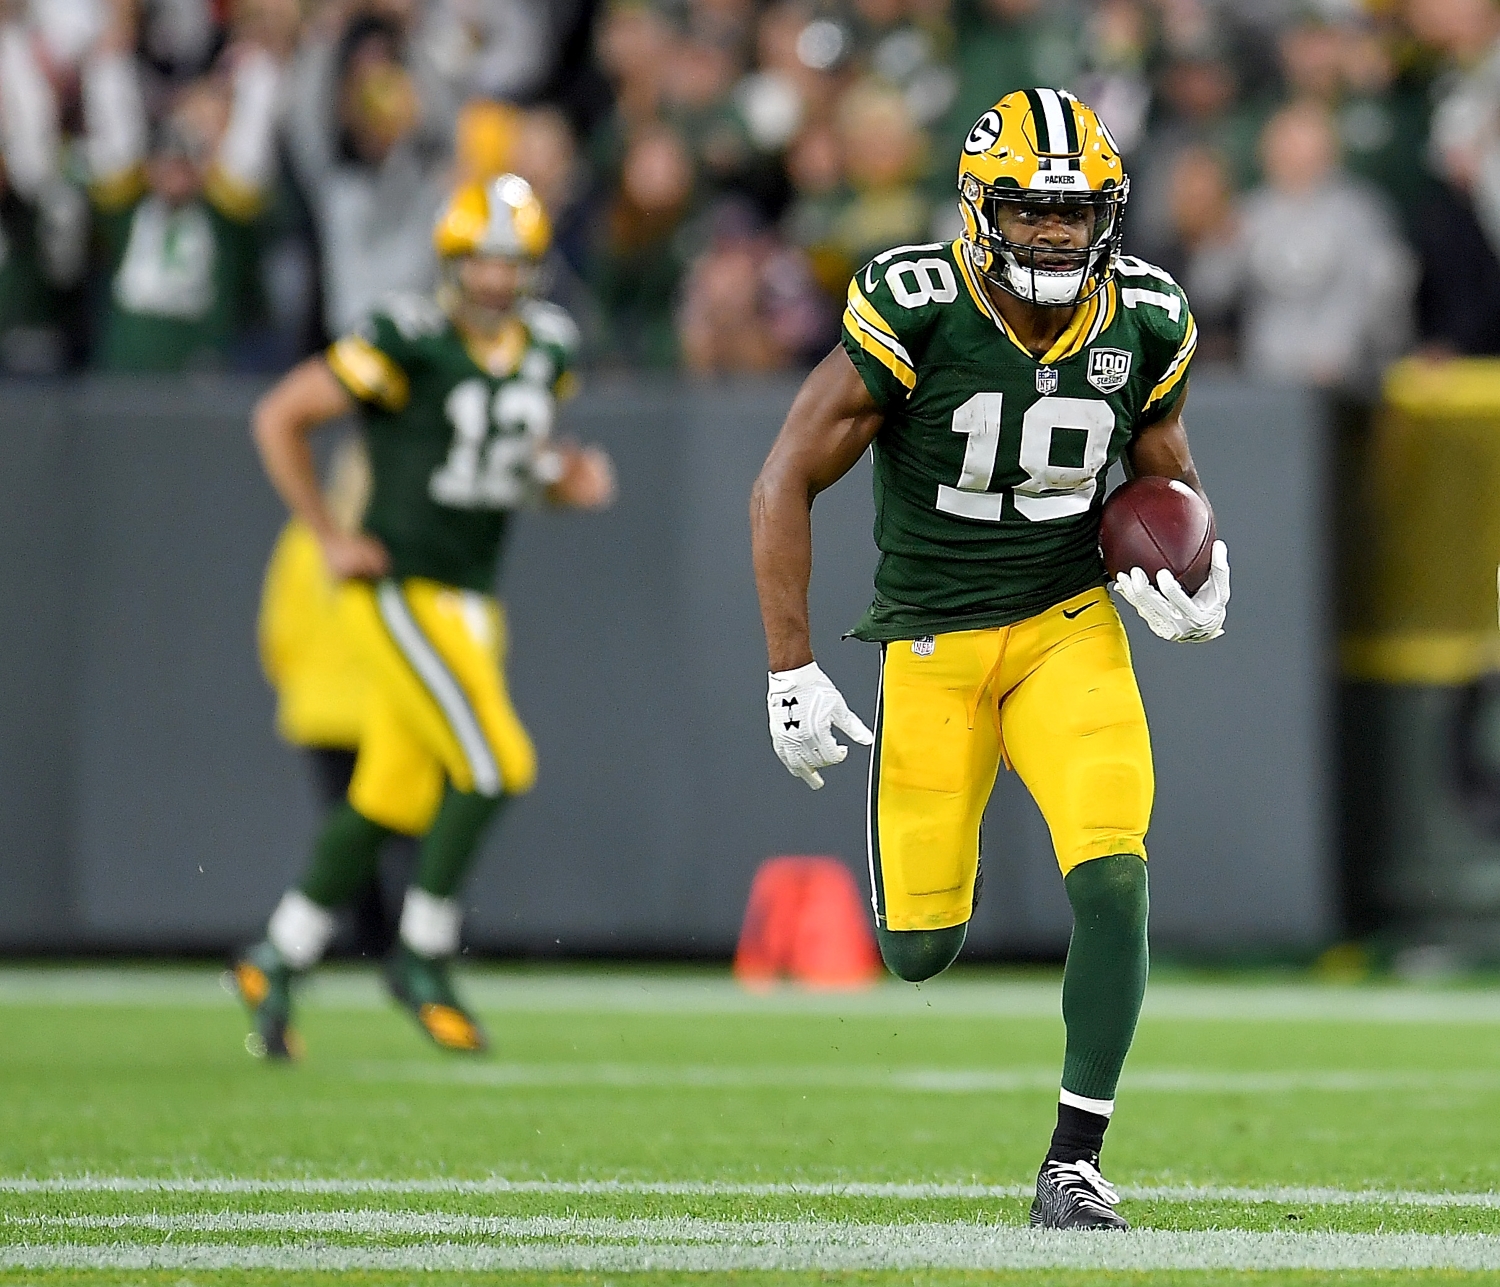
x: 373, y: 361
x: 877, y: 337
x: 368, y: 373
x: 1165, y: 328
x: 1176, y: 370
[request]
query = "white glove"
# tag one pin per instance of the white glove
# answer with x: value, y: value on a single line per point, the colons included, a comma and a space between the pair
x: 805, y: 708
x: 1169, y: 611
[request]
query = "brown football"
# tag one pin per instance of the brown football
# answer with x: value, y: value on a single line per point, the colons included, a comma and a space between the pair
x: 1156, y: 523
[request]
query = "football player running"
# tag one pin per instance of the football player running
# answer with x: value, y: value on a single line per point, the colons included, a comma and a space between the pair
x: 997, y: 378
x: 456, y: 397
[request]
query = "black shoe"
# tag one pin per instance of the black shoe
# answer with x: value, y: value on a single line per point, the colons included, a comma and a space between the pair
x: 422, y: 985
x: 263, y: 981
x: 1073, y: 1195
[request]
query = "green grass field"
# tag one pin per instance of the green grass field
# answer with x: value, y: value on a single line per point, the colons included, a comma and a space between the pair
x: 662, y: 1126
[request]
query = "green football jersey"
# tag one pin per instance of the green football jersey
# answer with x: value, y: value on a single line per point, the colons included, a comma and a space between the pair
x: 181, y: 281
x: 457, y: 440
x: 990, y: 465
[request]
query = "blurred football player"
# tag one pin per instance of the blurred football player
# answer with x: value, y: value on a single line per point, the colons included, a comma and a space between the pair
x: 457, y: 397
x: 316, y: 669
x: 997, y: 378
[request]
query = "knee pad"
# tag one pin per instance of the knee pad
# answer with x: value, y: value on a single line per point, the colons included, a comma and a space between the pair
x: 918, y: 955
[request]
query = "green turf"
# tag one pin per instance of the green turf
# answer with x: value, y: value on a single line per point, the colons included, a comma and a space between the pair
x: 1287, y: 1101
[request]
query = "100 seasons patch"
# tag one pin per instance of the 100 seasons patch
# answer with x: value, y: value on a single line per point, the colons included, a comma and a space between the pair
x: 1108, y: 369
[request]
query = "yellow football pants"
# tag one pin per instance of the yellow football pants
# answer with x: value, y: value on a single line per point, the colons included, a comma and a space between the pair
x: 1053, y: 697
x: 438, y: 706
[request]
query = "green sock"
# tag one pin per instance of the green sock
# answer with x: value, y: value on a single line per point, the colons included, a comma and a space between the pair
x: 1105, y: 978
x: 450, y: 847
x: 344, y: 857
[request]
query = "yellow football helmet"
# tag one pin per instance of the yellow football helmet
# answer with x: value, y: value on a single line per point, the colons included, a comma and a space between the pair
x: 1041, y: 147
x: 502, y: 217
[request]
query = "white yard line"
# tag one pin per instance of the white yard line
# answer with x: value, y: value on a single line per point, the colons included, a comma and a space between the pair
x: 943, y: 1081
x: 644, y: 992
x: 680, y: 1244
x: 906, y: 1191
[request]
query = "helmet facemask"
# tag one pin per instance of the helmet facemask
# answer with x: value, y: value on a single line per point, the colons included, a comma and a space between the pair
x: 1052, y: 276
x: 479, y: 315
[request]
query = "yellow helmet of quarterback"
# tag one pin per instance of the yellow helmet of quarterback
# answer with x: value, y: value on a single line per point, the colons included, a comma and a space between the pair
x: 1033, y: 149
x: 501, y: 218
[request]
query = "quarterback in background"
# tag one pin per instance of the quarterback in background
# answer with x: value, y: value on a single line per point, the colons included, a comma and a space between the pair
x: 456, y: 398
x: 997, y: 378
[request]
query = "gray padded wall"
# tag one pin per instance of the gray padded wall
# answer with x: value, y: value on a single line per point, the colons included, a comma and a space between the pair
x: 148, y: 805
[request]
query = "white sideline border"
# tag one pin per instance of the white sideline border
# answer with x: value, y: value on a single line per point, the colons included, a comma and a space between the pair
x: 935, y: 1081
x: 915, y: 1191
x: 675, y: 1244
x: 645, y: 992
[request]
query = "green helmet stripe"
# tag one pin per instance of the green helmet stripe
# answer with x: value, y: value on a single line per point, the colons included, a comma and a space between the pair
x: 1070, y: 123
x: 1039, y: 120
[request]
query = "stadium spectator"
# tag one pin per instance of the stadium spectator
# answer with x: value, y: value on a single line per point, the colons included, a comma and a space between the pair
x: 1204, y: 223
x: 1458, y: 235
x: 641, y: 249
x: 835, y: 120
x: 799, y: 75
x: 177, y: 211
x: 699, y: 102
x: 369, y: 126
x: 1315, y: 264
x: 1197, y: 107
x: 815, y: 165
x: 500, y: 49
x: 43, y: 217
x: 1346, y: 63
x: 632, y: 46
x: 883, y: 154
x: 1000, y: 46
x: 907, y: 46
x: 751, y: 303
x: 1117, y: 49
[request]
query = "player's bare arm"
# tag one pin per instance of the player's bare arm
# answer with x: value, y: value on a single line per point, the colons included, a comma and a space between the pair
x: 833, y: 420
x: 1161, y: 451
x: 308, y: 396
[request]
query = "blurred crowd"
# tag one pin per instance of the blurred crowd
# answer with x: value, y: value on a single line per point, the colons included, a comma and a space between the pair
x: 193, y: 184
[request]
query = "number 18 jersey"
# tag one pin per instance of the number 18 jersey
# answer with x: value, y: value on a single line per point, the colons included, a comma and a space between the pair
x: 456, y: 437
x: 990, y: 466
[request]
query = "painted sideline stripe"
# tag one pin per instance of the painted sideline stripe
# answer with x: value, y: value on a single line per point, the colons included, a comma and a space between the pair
x: 717, y: 1246
x: 647, y: 992
x: 949, y: 1081
x: 910, y: 1190
x: 375, y: 1223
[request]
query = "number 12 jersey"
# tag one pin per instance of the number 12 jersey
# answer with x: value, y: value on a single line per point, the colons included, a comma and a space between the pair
x: 457, y: 438
x: 990, y: 466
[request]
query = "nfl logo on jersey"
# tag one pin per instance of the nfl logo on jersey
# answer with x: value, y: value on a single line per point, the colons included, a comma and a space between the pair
x: 1108, y: 369
x: 1046, y: 380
